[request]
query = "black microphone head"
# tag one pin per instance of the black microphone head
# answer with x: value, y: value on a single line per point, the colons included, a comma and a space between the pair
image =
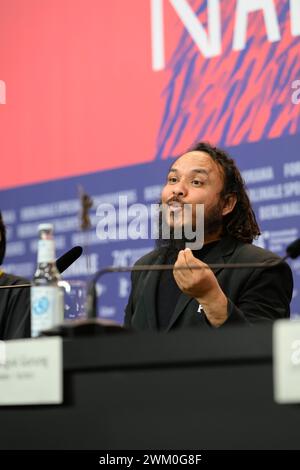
x: 68, y: 258
x: 293, y: 250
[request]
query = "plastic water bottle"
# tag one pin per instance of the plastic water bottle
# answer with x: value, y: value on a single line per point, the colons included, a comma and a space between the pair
x: 47, y: 297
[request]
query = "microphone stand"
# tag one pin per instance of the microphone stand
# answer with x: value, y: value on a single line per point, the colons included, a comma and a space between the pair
x: 94, y: 325
x: 162, y: 267
x: 92, y: 306
x: 15, y: 286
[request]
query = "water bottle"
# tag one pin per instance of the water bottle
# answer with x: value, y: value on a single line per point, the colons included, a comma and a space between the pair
x: 47, y: 297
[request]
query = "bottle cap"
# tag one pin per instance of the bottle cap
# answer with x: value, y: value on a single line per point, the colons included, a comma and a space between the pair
x: 45, y: 227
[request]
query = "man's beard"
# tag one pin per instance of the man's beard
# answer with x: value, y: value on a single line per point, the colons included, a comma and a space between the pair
x: 213, y: 222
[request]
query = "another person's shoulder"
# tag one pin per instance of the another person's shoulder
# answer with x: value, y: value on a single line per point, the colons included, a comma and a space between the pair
x: 14, y: 308
x: 7, y: 279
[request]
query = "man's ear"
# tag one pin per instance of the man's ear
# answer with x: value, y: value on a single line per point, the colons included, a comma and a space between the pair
x: 229, y: 203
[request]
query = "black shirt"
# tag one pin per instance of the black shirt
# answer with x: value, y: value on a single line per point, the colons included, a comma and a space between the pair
x: 168, y: 292
x: 14, y: 308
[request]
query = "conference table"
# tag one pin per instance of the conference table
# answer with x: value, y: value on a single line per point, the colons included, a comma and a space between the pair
x: 187, y: 389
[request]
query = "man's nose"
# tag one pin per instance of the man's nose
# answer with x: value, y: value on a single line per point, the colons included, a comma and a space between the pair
x: 180, y: 189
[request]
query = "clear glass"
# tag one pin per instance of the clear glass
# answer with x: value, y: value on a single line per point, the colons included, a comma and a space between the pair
x: 75, y: 295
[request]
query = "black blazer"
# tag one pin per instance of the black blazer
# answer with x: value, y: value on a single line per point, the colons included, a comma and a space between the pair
x: 254, y: 295
x: 14, y: 308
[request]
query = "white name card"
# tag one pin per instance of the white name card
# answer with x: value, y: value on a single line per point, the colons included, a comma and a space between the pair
x: 31, y: 371
x: 286, y: 361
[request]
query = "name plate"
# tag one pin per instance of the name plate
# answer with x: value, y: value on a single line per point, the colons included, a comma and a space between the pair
x: 286, y: 361
x: 31, y: 371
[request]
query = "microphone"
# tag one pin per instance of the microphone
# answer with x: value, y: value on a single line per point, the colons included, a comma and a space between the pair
x: 62, y: 263
x: 68, y: 258
x: 292, y: 251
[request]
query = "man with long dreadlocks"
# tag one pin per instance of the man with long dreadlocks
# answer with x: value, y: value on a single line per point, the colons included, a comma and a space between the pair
x: 165, y: 300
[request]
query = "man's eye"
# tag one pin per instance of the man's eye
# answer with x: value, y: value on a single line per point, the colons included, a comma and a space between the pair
x: 197, y: 182
x: 172, y: 179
